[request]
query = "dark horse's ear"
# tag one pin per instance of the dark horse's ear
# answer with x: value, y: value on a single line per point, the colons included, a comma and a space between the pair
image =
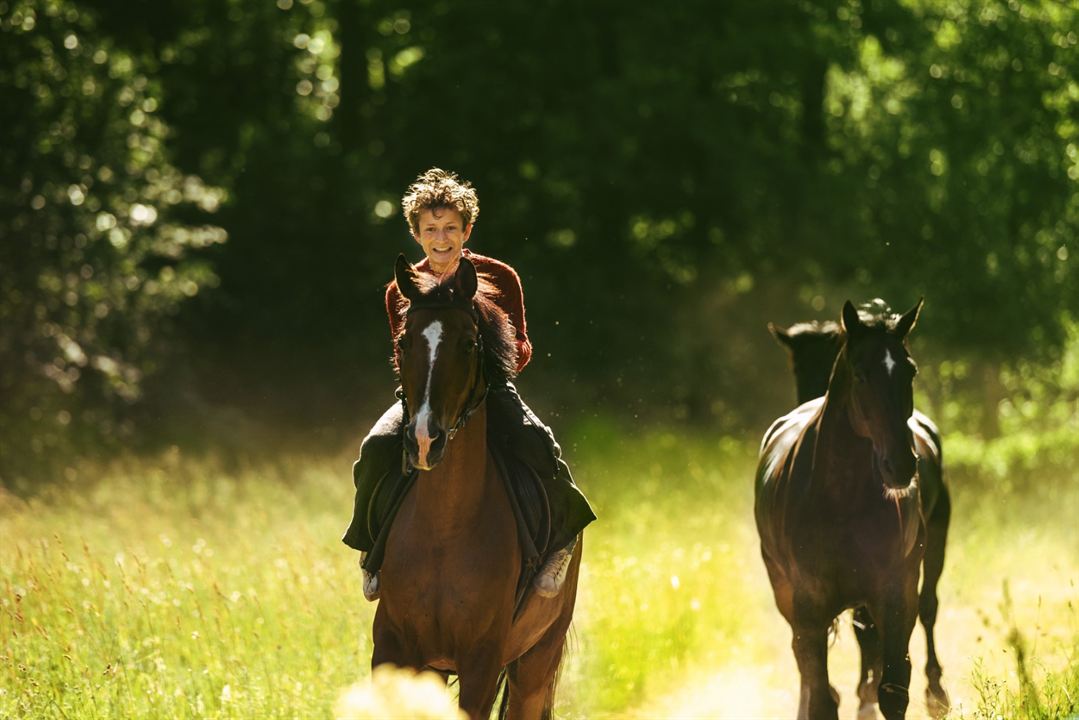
x: 405, y: 277
x: 465, y: 280
x: 905, y: 324
x: 782, y: 336
x: 852, y: 324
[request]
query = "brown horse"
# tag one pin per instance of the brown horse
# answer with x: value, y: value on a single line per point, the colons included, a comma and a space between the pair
x: 452, y: 562
x: 838, y: 510
x: 812, y: 348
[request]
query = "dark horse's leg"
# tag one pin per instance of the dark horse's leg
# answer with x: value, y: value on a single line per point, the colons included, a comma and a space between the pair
x: 933, y: 565
x: 810, y: 644
x: 897, y: 610
x: 868, y: 635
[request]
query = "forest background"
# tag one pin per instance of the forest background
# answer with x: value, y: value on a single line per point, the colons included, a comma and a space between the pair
x: 199, y: 210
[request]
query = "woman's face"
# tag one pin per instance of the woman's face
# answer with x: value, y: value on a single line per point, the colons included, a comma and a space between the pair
x: 442, y: 234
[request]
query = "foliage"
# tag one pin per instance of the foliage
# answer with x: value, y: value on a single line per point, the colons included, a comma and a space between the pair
x: 666, y: 179
x: 1038, y: 416
x: 97, y: 229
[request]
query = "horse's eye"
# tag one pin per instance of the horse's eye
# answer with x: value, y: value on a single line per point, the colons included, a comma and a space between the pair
x: 859, y: 375
x: 470, y: 345
x: 404, y: 341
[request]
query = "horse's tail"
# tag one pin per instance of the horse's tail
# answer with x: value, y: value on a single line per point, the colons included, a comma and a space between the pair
x: 548, y: 704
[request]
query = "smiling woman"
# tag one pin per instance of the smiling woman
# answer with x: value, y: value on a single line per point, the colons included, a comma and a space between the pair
x: 441, y: 210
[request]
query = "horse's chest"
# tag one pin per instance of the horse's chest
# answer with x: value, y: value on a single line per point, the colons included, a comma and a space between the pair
x: 849, y: 547
x: 445, y: 592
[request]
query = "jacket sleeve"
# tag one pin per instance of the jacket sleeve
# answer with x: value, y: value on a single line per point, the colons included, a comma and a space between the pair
x: 514, y: 305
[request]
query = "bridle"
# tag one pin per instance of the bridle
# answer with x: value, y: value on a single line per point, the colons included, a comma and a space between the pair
x: 477, y: 394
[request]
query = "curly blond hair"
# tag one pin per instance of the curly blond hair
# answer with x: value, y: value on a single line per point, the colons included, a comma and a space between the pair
x: 439, y: 188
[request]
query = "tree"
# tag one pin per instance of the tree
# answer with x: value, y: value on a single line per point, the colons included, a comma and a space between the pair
x: 97, y: 229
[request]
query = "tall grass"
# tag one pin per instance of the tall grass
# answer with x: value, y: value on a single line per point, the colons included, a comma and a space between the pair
x: 182, y: 587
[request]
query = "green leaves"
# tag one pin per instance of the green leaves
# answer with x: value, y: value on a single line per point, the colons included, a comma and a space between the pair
x: 96, y: 228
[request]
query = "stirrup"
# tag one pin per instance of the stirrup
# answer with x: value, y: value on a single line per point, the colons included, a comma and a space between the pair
x: 371, y: 590
x: 552, y: 576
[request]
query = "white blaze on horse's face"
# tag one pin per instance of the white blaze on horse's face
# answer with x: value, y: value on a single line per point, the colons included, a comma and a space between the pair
x: 433, y: 335
x: 889, y: 363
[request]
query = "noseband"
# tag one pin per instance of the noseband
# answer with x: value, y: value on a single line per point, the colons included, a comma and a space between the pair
x: 478, y: 393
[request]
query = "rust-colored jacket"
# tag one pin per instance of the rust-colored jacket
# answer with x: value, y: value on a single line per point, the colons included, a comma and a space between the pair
x: 510, y: 298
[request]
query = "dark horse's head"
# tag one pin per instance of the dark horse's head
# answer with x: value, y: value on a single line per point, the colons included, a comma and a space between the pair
x: 812, y: 347
x: 454, y: 342
x: 877, y: 372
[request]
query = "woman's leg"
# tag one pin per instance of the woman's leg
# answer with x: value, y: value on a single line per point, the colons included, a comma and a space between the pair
x: 380, y: 461
x: 533, y: 442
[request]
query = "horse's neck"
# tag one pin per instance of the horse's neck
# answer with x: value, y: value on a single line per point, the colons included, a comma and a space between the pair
x: 453, y: 494
x: 838, y: 460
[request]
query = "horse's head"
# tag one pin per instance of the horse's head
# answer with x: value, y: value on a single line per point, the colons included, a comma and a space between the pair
x: 438, y: 357
x: 455, y: 340
x: 878, y: 372
x: 812, y: 347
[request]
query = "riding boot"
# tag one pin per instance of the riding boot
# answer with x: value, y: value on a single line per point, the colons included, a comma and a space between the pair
x: 552, y: 576
x: 371, y: 589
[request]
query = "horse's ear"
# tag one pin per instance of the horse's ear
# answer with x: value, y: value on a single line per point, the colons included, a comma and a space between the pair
x: 405, y: 277
x: 905, y: 324
x: 852, y: 324
x: 465, y: 279
x: 782, y: 336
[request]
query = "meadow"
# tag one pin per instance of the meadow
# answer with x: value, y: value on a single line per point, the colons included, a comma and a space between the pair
x: 191, y: 587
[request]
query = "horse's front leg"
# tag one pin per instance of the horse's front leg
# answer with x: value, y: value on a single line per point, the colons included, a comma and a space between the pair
x: 817, y: 700
x: 869, y: 678
x: 898, y: 610
x: 479, y: 682
x: 388, y: 646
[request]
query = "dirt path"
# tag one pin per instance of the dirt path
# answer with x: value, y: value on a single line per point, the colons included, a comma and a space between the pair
x: 770, y: 689
x: 972, y: 629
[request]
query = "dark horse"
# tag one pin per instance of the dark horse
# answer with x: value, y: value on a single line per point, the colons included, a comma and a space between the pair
x: 813, y: 348
x: 838, y: 510
x: 452, y: 563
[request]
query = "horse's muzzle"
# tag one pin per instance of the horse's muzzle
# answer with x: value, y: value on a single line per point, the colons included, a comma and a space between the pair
x: 895, y: 473
x: 425, y: 445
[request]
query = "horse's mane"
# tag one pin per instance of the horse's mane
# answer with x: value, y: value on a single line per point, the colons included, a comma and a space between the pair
x: 827, y: 328
x: 878, y: 314
x: 496, y: 329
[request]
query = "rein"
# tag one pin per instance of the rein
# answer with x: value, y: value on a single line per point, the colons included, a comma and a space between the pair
x: 478, y: 393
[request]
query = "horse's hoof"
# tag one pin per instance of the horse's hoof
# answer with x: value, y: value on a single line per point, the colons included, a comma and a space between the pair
x: 371, y: 590
x: 868, y: 711
x: 936, y: 701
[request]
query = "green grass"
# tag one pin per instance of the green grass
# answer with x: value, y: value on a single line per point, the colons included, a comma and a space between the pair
x: 181, y: 587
